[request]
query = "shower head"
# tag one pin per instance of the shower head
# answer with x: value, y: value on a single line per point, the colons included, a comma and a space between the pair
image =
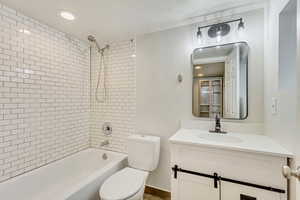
x: 93, y: 40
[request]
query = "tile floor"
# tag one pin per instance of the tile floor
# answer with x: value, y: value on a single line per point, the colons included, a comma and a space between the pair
x: 151, y: 197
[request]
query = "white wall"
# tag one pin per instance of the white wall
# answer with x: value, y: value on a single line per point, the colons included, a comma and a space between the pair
x: 273, y: 123
x: 44, y: 94
x: 297, y: 150
x: 162, y: 102
x: 282, y: 81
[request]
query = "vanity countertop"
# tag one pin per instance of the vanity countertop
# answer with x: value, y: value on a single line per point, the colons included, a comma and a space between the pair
x: 251, y: 143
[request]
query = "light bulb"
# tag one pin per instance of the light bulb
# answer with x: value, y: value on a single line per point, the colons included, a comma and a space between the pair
x: 241, y: 29
x: 199, y: 36
x: 219, y: 38
x: 219, y: 34
x: 241, y: 25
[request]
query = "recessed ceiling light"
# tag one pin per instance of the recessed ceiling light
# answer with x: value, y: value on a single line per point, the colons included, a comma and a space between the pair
x: 25, y: 31
x: 198, y: 67
x: 67, y: 15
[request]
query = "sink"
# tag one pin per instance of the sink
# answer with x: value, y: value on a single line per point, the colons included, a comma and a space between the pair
x: 255, y: 143
x: 216, y: 137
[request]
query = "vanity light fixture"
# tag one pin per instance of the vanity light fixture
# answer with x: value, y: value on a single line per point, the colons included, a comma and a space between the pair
x: 219, y: 30
x: 67, y: 15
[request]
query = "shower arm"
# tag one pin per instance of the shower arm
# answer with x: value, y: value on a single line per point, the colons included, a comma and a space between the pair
x: 93, y: 40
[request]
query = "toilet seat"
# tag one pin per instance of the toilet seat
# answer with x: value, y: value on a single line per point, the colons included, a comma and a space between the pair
x: 123, y: 184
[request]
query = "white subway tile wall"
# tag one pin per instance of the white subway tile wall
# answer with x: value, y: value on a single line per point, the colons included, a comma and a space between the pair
x: 44, y: 94
x: 119, y: 107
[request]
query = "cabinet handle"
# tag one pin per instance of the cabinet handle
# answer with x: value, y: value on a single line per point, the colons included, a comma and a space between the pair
x: 288, y: 172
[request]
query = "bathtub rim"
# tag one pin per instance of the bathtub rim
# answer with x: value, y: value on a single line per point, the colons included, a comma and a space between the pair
x: 121, y: 157
x: 92, y: 177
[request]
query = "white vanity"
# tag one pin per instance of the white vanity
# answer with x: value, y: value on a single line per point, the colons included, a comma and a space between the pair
x: 212, y: 166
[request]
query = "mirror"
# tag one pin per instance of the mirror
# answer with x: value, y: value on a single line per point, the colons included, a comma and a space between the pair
x: 220, y: 81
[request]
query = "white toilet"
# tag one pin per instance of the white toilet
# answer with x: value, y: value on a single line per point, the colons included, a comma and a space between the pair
x: 129, y: 183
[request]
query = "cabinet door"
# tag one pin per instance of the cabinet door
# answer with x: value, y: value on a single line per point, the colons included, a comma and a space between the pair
x: 230, y: 191
x: 191, y: 187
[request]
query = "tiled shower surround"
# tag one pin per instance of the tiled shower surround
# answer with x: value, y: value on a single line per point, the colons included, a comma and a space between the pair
x: 44, y: 94
x: 47, y: 101
x: 119, y: 107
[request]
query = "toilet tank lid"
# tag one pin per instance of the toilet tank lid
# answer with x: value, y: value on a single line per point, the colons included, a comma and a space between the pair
x: 141, y: 137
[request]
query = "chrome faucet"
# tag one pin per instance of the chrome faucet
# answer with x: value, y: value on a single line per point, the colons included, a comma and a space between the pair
x: 218, y: 128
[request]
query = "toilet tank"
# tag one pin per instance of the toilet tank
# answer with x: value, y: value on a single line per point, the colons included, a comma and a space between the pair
x: 143, y: 152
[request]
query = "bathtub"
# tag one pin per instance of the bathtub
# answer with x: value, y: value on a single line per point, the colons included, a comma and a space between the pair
x: 77, y: 177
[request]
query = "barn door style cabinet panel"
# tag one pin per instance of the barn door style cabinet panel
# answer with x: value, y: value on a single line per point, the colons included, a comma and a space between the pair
x: 203, y: 168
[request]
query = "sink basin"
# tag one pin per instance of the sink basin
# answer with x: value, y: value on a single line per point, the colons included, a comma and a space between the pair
x: 220, y: 138
x: 235, y: 141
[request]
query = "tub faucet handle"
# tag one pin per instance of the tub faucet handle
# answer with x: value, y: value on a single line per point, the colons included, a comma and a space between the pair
x: 104, y: 143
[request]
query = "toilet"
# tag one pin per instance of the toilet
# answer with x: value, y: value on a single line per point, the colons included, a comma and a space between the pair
x: 129, y: 183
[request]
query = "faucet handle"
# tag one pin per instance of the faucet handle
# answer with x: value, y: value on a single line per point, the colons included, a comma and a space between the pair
x: 217, y: 117
x: 104, y: 143
x: 218, y: 128
x: 218, y: 121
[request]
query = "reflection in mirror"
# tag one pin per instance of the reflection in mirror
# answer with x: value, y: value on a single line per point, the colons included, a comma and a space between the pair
x: 220, y: 81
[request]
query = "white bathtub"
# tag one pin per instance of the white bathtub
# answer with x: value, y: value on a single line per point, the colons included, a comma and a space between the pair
x: 77, y: 177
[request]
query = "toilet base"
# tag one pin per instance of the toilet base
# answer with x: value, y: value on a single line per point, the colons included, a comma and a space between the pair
x: 138, y: 196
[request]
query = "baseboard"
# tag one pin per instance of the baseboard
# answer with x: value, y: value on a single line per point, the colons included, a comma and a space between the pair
x: 157, y: 192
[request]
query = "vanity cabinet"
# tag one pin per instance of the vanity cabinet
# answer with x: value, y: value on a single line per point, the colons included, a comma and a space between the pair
x: 247, y: 167
x: 190, y: 187
x: 231, y: 191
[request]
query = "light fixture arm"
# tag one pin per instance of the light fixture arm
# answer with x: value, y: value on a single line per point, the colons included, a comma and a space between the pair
x: 216, y: 24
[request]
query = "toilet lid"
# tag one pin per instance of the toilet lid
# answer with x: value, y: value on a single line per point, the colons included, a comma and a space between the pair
x: 123, y: 184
